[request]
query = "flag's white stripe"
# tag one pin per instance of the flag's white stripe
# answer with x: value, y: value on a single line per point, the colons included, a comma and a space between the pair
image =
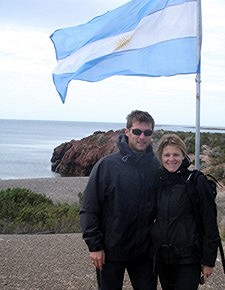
x: 161, y: 26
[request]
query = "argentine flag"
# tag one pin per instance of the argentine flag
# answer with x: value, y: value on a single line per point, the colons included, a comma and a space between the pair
x: 140, y: 38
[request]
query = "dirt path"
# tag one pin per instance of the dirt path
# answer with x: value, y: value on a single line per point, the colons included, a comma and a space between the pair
x: 57, y: 262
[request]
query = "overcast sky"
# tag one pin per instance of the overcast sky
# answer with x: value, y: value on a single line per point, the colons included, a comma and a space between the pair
x: 27, y: 59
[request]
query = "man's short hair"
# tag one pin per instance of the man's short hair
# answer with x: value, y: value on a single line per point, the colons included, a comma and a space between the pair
x: 140, y: 116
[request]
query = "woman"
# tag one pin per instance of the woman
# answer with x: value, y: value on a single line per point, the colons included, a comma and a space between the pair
x: 181, y: 249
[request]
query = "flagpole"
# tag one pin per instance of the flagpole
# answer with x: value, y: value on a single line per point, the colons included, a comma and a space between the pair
x: 197, y: 133
x: 198, y: 82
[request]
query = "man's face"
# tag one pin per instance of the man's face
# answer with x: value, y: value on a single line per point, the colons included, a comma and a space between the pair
x: 140, y: 141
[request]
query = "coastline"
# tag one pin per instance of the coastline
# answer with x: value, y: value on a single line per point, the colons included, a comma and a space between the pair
x: 59, y: 189
x: 26, y: 155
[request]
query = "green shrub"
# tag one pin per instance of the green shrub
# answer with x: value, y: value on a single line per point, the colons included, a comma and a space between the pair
x: 23, y: 211
x: 13, y: 200
x: 222, y: 234
x: 217, y: 172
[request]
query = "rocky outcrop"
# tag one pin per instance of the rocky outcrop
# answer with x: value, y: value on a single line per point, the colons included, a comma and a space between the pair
x: 77, y: 157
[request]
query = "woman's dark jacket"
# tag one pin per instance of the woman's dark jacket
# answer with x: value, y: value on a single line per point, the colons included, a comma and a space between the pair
x: 176, y: 233
x: 117, y: 211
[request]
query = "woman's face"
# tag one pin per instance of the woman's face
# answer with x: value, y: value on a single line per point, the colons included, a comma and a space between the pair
x: 172, y: 158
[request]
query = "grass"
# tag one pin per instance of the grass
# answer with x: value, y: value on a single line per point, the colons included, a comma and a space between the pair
x: 23, y: 211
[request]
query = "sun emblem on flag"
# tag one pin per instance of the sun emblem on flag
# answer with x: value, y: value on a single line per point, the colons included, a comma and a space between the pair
x: 123, y: 41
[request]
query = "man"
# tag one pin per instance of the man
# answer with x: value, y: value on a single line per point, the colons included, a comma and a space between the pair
x: 117, y: 210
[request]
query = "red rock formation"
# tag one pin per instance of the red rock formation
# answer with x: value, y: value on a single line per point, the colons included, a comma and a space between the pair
x: 77, y: 157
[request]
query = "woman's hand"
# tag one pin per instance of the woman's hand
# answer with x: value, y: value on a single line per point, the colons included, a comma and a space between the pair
x: 206, y: 271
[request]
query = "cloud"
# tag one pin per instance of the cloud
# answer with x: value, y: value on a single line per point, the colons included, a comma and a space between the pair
x: 27, y: 60
x: 25, y: 51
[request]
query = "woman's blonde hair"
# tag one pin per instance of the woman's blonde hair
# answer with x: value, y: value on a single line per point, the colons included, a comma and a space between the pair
x: 171, y: 139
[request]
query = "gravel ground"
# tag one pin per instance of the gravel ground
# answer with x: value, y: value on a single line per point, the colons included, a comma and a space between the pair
x: 57, y: 262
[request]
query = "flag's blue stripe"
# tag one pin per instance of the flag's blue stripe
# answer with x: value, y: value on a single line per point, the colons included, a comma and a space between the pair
x: 162, y: 59
x: 117, y: 21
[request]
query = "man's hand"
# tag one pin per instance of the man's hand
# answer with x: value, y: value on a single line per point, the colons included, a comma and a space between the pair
x: 98, y: 259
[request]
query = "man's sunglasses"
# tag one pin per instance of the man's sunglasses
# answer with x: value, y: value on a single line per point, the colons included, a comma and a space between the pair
x: 138, y: 132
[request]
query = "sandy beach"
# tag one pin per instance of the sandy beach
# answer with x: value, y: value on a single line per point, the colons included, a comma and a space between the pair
x: 54, y: 261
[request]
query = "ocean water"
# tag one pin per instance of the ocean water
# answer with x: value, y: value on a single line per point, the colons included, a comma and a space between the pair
x: 26, y: 146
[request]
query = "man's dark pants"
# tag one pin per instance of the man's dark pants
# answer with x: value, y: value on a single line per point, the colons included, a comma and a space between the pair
x: 140, y: 272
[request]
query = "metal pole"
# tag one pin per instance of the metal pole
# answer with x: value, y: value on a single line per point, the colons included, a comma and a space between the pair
x: 197, y: 133
x: 198, y: 81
